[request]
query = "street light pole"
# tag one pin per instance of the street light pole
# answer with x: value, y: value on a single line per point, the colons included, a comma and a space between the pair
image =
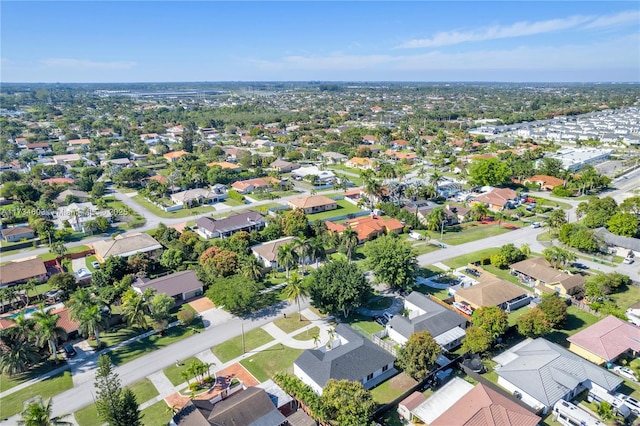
x: 243, y: 347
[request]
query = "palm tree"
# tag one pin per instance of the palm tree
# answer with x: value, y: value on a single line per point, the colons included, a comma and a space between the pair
x: 295, y: 291
x: 316, y: 250
x: 38, y: 413
x: 250, y: 268
x: 133, y: 309
x: 349, y: 240
x: 435, y: 178
x: 605, y: 411
x: 478, y: 211
x: 373, y: 189
x: 17, y: 355
x: 23, y: 327
x: 48, y: 330
x: 287, y: 256
x: 316, y: 340
x: 91, y: 322
x: 302, y: 250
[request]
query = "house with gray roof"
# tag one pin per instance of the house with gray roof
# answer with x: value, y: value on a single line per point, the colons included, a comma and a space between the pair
x: 445, y: 325
x: 348, y: 356
x: 181, y: 285
x: 621, y: 245
x: 126, y: 245
x: 245, y: 221
x: 540, y: 373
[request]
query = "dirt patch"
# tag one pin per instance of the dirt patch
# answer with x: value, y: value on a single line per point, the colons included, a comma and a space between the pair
x: 402, y: 381
x: 202, y: 304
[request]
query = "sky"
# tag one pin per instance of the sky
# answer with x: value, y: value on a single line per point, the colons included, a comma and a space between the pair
x: 165, y: 41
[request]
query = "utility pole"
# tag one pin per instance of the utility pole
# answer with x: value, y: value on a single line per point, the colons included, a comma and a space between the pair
x: 243, y: 347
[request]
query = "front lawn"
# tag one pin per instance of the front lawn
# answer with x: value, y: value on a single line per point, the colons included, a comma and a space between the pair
x: 627, y: 297
x: 88, y: 416
x: 472, y: 232
x: 308, y: 334
x: 577, y: 320
x: 12, y: 404
x: 291, y: 323
x: 364, y: 325
x: 435, y: 292
x: 144, y: 390
x: 233, y: 348
x: 182, y: 213
x: 344, y: 208
x: 157, y: 414
x: 7, y: 382
x: 174, y: 373
x: 267, y: 363
x: 464, y: 260
x: 273, y: 195
x: 379, y: 303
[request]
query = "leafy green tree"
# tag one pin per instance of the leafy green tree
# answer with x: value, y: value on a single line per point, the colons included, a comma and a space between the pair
x: 338, y: 286
x: 58, y: 248
x: 392, y: 261
x: 38, y: 413
x: 597, y: 211
x: 533, y: 324
x: 160, y: 309
x: 491, y: 172
x: 98, y: 190
x: 115, y: 406
x: 550, y: 167
x: 347, y: 403
x: 236, y: 294
x: 48, y: 330
x: 436, y: 219
x: 17, y: 354
x: 625, y: 224
x: 63, y: 281
x: 491, y: 319
x: 556, y: 219
x: 476, y: 340
x: 554, y: 308
x: 631, y: 205
x: 295, y: 291
x: 418, y: 355
x: 499, y: 260
x: 558, y: 256
x: 133, y: 308
x: 295, y: 223
x: 185, y: 315
x: 172, y: 259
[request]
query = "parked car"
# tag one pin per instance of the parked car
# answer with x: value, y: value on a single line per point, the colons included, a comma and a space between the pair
x: 472, y: 271
x: 536, y: 224
x: 630, y: 402
x: 95, y: 264
x: 625, y: 372
x: 628, y: 260
x: 579, y: 265
x: 381, y: 320
x: 387, y: 316
x: 70, y: 351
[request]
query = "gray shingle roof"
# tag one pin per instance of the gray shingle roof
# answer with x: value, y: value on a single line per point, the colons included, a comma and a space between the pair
x: 548, y: 372
x: 351, y: 361
x: 231, y: 223
x: 436, y: 320
x: 618, y: 240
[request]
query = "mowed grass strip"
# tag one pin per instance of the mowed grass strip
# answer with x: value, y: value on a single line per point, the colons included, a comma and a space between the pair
x: 157, y: 414
x: 308, y: 334
x: 264, y: 365
x: 233, y: 348
x: 291, y: 323
x: 174, y: 372
x: 12, y: 404
x: 144, y: 390
x: 88, y: 416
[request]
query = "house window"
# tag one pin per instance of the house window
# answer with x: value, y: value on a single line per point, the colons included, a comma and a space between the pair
x: 385, y: 368
x: 369, y: 377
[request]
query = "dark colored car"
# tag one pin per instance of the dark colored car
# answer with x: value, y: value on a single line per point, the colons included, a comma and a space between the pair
x: 70, y: 351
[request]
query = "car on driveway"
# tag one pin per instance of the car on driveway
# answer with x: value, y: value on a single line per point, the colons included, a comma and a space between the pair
x: 630, y: 402
x: 579, y: 265
x: 628, y: 260
x: 70, y: 351
x: 625, y: 372
x: 95, y: 264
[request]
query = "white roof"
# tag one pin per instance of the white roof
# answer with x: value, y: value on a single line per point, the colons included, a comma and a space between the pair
x: 442, y: 400
x: 450, y: 336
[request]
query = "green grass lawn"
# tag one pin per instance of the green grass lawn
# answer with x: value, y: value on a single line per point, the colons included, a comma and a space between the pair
x: 424, y: 248
x: 291, y: 323
x: 552, y: 203
x: 514, y: 315
x: 12, y: 404
x: 425, y: 289
x: 144, y: 390
x: 230, y: 202
x: 385, y: 393
x: 88, y: 260
x: 627, y: 297
x: 182, y: 213
x: 156, y: 414
x: 505, y: 275
x: 264, y: 207
x: 577, y: 320
x: 271, y: 361
x: 118, y: 335
x: 7, y: 382
x: 88, y: 416
x: 473, y: 233
x: 307, y: 334
x: 273, y: 195
x: 174, y: 373
x: 142, y: 347
x: 464, y: 260
x: 233, y: 348
x: 361, y: 323
x: 344, y: 208
x: 379, y: 303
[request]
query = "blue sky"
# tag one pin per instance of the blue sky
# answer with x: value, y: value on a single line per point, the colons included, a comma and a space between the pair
x: 122, y: 41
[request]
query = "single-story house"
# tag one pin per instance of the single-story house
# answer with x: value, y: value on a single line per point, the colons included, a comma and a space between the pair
x: 180, y: 285
x: 618, y: 244
x: 445, y: 325
x: 606, y: 341
x: 174, y: 155
x: 20, y: 272
x: 484, y: 406
x: 408, y: 157
x: 126, y: 245
x: 282, y: 166
x: 69, y: 325
x: 313, y: 204
x: 333, y: 157
x: 461, y: 212
x: 66, y: 158
x: 39, y: 147
x: 493, y: 291
x: 497, y: 199
x: 248, y: 407
x: 80, y: 196
x: 410, y: 403
x: 538, y: 272
x: 198, y: 196
x: 78, y: 214
x: 546, y: 183
x: 245, y: 221
x: 433, y: 407
x: 267, y: 253
x: 11, y: 235
x: 540, y: 373
x: 322, y: 176
x: 368, y: 227
x: 422, y: 209
x: 349, y: 356
x: 250, y: 185
x: 361, y: 163
x: 225, y: 165
x: 79, y: 142
x: 58, y: 181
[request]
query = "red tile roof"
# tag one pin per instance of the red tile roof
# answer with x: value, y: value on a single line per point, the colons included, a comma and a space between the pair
x: 608, y: 338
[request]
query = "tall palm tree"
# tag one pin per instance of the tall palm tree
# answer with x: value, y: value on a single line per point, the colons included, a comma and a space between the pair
x: 38, y: 413
x: 295, y: 291
x: 316, y: 250
x: 91, y: 322
x: 48, y: 330
x: 435, y: 178
x: 349, y: 240
x: 17, y: 355
x: 373, y: 189
x: 302, y: 250
x: 23, y: 327
x: 287, y: 256
x: 133, y: 309
x: 250, y: 268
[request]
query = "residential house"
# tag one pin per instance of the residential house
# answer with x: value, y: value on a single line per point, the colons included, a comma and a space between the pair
x: 39, y: 147
x: 225, y: 165
x: 408, y: 157
x: 199, y: 196
x: 537, y: 272
x: 399, y: 144
x: 12, y: 235
x: 546, y: 183
x: 606, y: 341
x: 181, y: 286
x: 484, y: 406
x: 174, y: 155
x: 250, y: 185
x: 443, y: 399
x: 66, y: 158
x: 540, y: 373
x: 445, y: 325
x: 79, y: 143
x: 349, y: 356
x: 333, y: 157
x: 78, y: 214
x: 126, y: 245
x: 368, y: 227
x: 58, y: 181
x: 369, y: 139
x: 497, y: 199
x: 410, y: 403
x: 20, y: 272
x: 313, y: 204
x: 80, y: 196
x: 222, y: 228
x: 619, y: 245
x: 361, y: 163
x: 267, y: 253
x: 124, y: 162
x: 461, y: 212
x: 493, y: 291
x: 69, y: 325
x: 323, y: 177
x: 422, y: 209
x: 248, y: 407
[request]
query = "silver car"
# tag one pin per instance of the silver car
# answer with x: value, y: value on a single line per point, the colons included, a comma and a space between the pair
x: 625, y: 372
x: 632, y: 403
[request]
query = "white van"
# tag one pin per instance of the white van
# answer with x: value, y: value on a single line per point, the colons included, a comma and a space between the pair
x: 619, y: 407
x: 536, y: 224
x: 568, y: 414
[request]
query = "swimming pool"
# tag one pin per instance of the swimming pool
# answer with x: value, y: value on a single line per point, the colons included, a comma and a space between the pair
x: 27, y: 312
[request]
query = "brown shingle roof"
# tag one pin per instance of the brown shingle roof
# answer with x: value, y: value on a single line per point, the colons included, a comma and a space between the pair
x: 19, y: 230
x: 21, y: 271
x: 539, y: 269
x: 492, y: 291
x: 311, y: 201
x: 172, y: 285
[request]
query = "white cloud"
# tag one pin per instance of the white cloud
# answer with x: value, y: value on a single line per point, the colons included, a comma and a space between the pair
x: 524, y: 28
x: 87, y: 64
